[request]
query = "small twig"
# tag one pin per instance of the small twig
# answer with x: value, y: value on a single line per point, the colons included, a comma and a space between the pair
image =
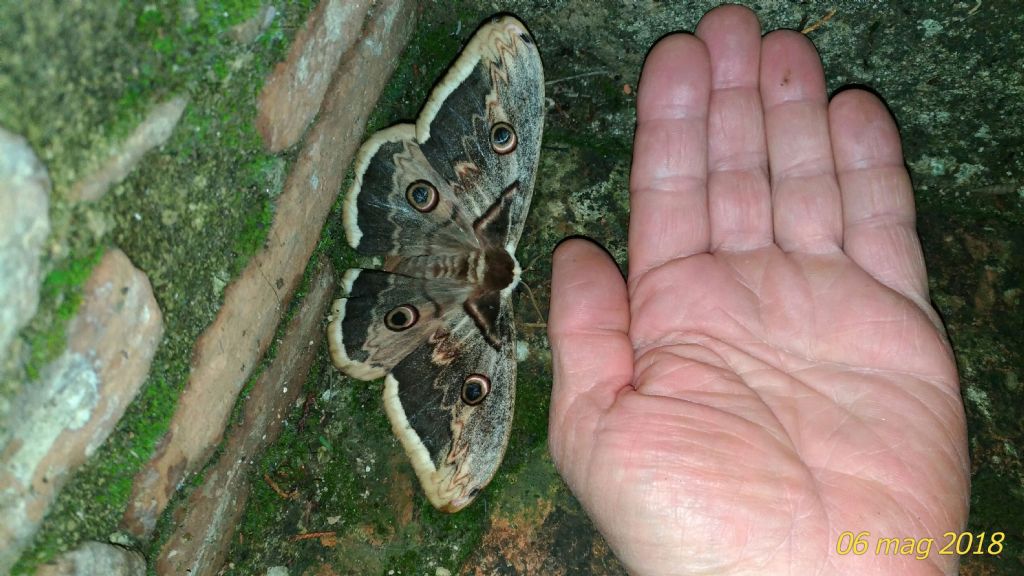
x: 311, y: 535
x: 577, y: 76
x: 305, y: 411
x: 821, y: 22
x: 273, y: 486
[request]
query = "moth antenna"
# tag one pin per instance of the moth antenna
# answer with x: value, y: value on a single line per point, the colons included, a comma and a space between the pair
x: 532, y: 262
x: 533, y: 300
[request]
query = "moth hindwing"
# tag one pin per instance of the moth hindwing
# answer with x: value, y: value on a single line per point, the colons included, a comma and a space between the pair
x: 443, y: 201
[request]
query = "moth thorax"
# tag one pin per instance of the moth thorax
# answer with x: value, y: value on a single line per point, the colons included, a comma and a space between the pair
x: 496, y: 270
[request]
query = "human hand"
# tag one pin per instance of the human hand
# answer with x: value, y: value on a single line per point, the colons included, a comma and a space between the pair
x: 772, y: 374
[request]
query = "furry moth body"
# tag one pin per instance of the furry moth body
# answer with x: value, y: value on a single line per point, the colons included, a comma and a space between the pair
x: 443, y: 201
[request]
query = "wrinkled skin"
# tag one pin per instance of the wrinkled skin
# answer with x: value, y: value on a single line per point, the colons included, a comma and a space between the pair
x: 771, y: 374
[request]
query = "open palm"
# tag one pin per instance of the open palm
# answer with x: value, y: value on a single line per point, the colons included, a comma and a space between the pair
x: 771, y: 381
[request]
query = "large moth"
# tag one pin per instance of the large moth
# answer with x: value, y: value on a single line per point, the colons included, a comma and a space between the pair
x: 442, y: 202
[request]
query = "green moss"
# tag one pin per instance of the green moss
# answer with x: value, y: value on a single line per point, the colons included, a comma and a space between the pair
x: 252, y: 236
x: 206, y: 196
x: 60, y: 297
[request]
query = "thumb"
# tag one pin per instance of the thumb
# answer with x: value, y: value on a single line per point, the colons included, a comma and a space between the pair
x: 592, y: 356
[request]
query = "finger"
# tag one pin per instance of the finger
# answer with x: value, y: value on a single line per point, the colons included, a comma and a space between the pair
x: 879, y: 230
x: 668, y: 199
x: 588, y: 326
x: 739, y: 196
x: 806, y: 207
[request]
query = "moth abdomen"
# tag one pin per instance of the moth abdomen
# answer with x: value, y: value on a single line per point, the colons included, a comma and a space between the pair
x: 492, y: 269
x: 460, y: 267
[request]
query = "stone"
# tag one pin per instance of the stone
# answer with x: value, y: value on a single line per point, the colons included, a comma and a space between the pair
x: 24, y: 226
x: 251, y: 29
x: 292, y: 95
x: 228, y: 349
x: 199, y: 544
x: 93, y: 558
x: 64, y: 417
x: 154, y: 130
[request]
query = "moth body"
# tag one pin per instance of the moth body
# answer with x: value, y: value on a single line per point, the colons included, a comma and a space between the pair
x: 491, y: 270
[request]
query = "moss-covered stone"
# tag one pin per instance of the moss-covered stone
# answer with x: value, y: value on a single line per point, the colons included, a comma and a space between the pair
x: 190, y: 216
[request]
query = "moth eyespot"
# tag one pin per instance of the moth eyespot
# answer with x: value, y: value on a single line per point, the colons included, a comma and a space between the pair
x: 401, y: 317
x: 503, y: 138
x: 422, y: 195
x: 475, y: 389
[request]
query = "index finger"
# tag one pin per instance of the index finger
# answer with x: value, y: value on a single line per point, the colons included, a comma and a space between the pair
x: 667, y: 186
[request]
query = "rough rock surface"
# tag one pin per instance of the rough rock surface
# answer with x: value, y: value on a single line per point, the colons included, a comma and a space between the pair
x: 152, y: 132
x: 95, y: 558
x: 249, y: 30
x: 24, y: 226
x: 229, y: 348
x: 201, y: 536
x: 62, y: 419
x: 292, y: 94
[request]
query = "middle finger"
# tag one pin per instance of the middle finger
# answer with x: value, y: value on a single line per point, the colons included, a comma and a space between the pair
x: 739, y: 197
